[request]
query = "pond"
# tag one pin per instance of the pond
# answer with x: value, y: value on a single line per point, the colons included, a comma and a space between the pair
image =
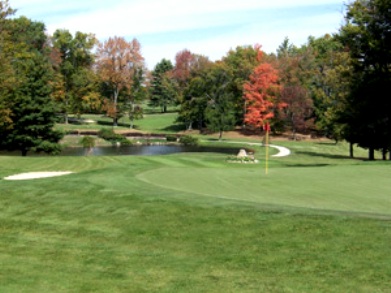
x: 145, y: 150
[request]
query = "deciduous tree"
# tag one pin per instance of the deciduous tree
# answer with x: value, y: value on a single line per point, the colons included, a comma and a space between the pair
x: 8, y: 80
x: 117, y: 60
x: 261, y: 93
x: 75, y: 74
x: 367, y: 35
x: 296, y: 70
x: 219, y: 113
x: 241, y: 62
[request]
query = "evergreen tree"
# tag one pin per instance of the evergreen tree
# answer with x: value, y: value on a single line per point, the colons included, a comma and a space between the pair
x: 163, y: 88
x: 33, y: 113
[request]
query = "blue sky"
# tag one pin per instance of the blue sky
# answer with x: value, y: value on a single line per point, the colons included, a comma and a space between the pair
x: 207, y: 27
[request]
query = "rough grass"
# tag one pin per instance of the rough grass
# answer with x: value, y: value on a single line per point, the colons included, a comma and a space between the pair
x: 316, y: 223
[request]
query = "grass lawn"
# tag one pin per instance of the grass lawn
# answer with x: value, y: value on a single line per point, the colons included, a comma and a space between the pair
x: 159, y: 123
x: 318, y: 222
x: 152, y: 122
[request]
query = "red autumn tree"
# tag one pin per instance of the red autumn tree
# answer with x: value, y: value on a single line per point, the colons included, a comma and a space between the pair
x: 183, y: 65
x: 260, y: 94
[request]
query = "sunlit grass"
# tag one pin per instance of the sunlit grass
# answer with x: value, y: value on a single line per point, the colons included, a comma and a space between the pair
x: 318, y: 222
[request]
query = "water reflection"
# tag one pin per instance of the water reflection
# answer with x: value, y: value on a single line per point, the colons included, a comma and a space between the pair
x: 144, y: 150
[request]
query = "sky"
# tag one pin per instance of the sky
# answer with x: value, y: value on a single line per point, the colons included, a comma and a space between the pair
x: 207, y: 27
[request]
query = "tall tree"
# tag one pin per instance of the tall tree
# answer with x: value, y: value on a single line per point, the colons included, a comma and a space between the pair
x: 163, y: 86
x: 33, y: 113
x: 261, y: 93
x: 241, y: 62
x: 296, y: 70
x: 367, y: 34
x: 330, y: 83
x: 116, y: 62
x: 219, y: 113
x: 298, y: 108
x: 75, y: 69
x: 138, y: 93
x: 8, y: 80
x: 194, y: 103
x: 184, y: 61
x: 194, y: 100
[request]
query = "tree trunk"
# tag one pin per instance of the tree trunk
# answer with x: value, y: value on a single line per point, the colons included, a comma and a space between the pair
x: 200, y: 122
x: 351, y: 154
x: 66, y: 112
x: 293, y: 128
x: 384, y: 152
x: 115, y: 101
x: 220, y: 135
x: 371, y: 154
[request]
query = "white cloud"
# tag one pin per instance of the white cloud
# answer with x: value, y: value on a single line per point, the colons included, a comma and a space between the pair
x: 234, y: 20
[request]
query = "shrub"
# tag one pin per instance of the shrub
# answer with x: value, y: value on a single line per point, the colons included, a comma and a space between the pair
x: 171, y: 138
x: 188, y: 140
x: 88, y: 141
x: 109, y: 135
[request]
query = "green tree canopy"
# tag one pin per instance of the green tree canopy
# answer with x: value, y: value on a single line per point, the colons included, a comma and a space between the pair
x: 163, y: 87
x: 367, y: 35
x: 220, y: 114
x: 32, y: 111
x: 75, y: 75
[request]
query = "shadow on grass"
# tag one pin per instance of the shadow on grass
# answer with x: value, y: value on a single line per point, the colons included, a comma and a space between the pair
x: 110, y: 123
x: 326, y: 143
x: 307, y: 165
x: 328, y: 156
x: 174, y: 128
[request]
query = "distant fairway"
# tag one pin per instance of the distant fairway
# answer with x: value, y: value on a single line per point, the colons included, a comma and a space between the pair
x: 364, y: 189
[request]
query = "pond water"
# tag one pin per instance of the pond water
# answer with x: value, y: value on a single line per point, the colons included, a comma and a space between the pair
x: 144, y: 150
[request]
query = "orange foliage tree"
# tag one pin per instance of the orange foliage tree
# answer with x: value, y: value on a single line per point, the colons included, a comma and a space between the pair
x: 117, y: 61
x: 261, y: 94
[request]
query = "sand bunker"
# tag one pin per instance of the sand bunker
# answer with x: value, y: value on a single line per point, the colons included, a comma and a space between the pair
x: 36, y: 175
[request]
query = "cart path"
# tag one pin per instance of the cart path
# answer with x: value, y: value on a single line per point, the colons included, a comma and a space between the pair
x: 282, y: 151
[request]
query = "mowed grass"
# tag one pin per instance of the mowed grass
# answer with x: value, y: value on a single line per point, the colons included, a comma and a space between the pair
x: 318, y: 222
x: 152, y: 123
x: 158, y: 123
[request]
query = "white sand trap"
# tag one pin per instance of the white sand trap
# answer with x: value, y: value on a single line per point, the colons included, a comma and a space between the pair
x: 36, y: 175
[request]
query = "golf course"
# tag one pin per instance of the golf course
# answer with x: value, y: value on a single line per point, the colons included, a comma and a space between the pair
x: 318, y: 221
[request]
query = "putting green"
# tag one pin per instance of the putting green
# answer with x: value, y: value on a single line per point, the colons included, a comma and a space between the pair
x: 363, y: 189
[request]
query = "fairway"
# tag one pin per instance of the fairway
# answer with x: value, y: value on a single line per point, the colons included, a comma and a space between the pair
x: 318, y: 222
x: 342, y: 188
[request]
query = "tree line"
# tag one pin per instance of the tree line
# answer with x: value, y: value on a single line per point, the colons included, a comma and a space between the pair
x: 334, y: 85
